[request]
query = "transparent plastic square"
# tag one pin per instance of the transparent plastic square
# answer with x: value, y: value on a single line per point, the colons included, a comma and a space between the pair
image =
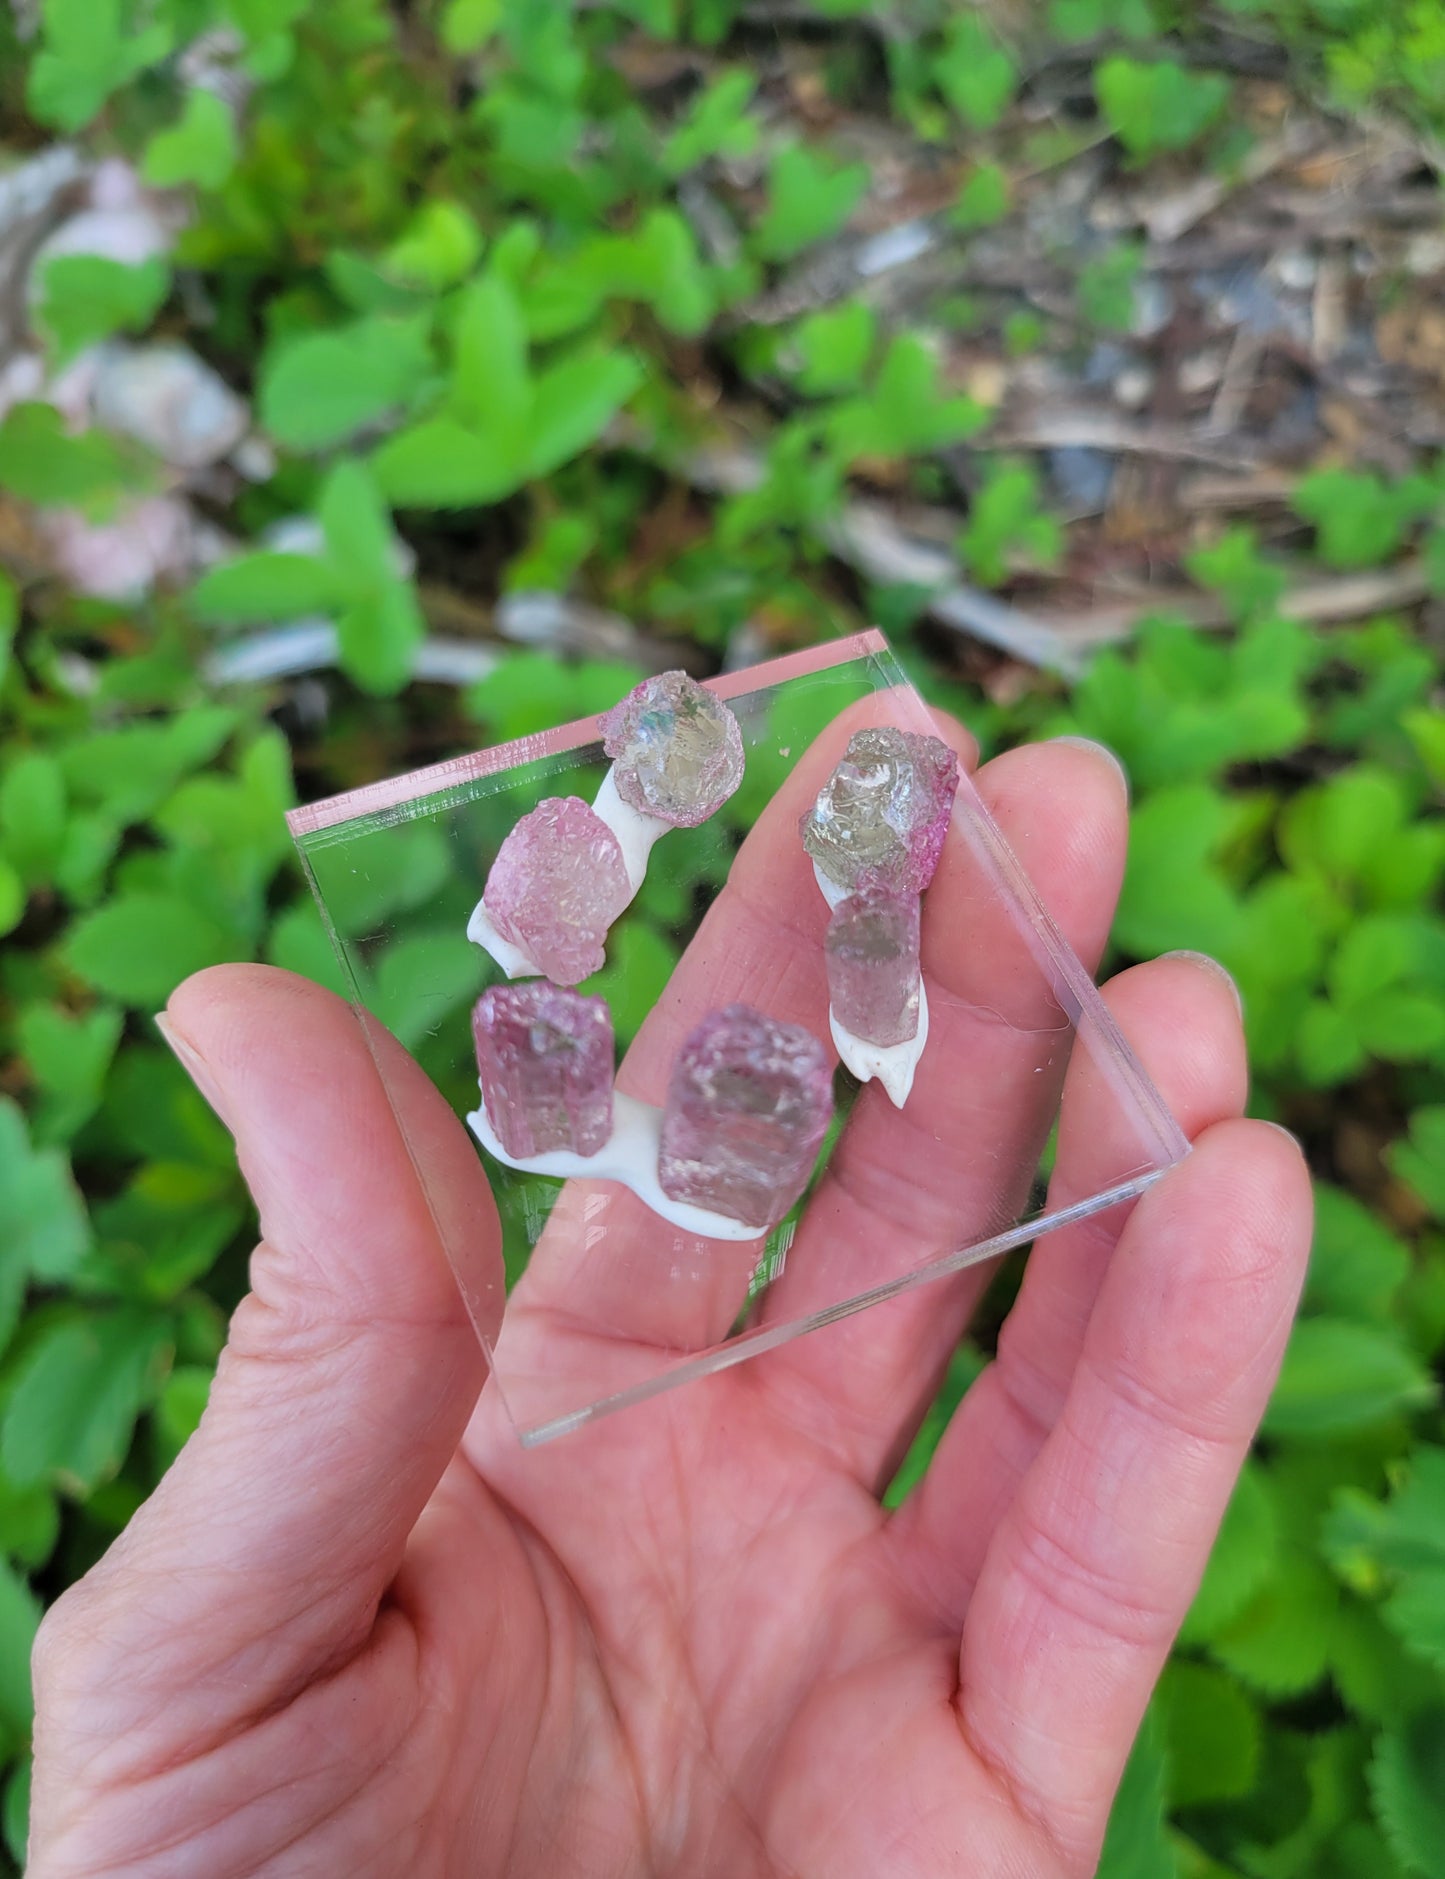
x: 901, y: 1197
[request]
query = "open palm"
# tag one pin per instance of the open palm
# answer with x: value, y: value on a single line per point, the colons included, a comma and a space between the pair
x: 359, y: 1631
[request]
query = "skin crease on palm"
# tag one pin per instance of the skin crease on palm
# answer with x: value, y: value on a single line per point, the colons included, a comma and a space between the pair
x: 358, y: 1631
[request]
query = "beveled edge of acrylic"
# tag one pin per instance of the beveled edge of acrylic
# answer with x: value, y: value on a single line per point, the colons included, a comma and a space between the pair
x: 394, y: 791
x: 769, y: 1337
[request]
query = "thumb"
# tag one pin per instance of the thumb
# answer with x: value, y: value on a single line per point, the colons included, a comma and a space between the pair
x: 348, y: 1378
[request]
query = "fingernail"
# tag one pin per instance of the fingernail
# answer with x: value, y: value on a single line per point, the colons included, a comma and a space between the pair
x: 1279, y: 1129
x: 1211, y: 965
x: 192, y: 1062
x: 1100, y: 750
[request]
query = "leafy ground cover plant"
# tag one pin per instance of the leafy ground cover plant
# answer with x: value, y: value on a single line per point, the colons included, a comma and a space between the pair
x: 563, y: 346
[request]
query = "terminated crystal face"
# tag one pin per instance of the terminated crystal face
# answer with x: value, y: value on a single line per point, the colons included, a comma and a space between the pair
x: 880, y: 819
x: 556, y: 886
x: 747, y: 1108
x: 544, y: 1057
x: 678, y: 750
x: 873, y: 972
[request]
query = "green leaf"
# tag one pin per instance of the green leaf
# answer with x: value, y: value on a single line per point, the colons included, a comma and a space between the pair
x: 12, y: 897
x: 974, y: 73
x: 576, y: 400
x: 1241, y: 1560
x: 1356, y: 1264
x: 1005, y: 522
x: 29, y: 1523
x: 128, y: 770
x: 178, y: 1412
x: 1135, y: 1845
x: 1420, y: 1161
x: 1339, y: 826
x: 44, y: 1232
x: 640, y: 961
x: 17, y: 1811
x: 835, y: 346
x: 983, y: 199
x: 90, y: 51
x: 1106, y: 286
x: 440, y: 247
x: 491, y: 379
x: 139, y: 946
x: 1328, y: 1044
x: 1407, y: 1786
x: 1174, y: 895
x: 264, y: 586
x: 1158, y: 106
x: 379, y: 634
x: 298, y: 942
x: 907, y: 412
x: 317, y: 389
x: 1360, y: 519
x: 1280, y: 1642
x: 422, y: 980
x: 1338, y: 1376
x: 85, y: 298
x: 467, y: 25
x: 1234, y: 568
x: 808, y: 200
x: 356, y: 525
x: 19, y: 1621
x: 32, y: 814
x: 1400, y: 1024
x: 75, y: 1400
x: 199, y: 148
x: 41, y: 462
x: 1374, y: 954
x: 1400, y: 1546
x: 1371, y: 1668
x: 68, y: 1054
x: 1211, y: 1735
x: 1425, y: 728
x: 440, y: 464
x: 717, y: 125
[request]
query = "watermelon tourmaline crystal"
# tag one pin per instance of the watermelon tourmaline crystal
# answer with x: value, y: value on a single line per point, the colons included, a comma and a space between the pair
x: 556, y: 886
x: 872, y: 950
x: 677, y: 751
x: 748, y: 1105
x: 881, y: 817
x: 545, y: 1065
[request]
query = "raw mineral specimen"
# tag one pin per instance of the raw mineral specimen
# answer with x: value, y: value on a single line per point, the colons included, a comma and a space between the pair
x: 873, y: 972
x: 880, y: 819
x: 747, y: 1109
x: 678, y: 750
x: 556, y: 886
x: 544, y: 1057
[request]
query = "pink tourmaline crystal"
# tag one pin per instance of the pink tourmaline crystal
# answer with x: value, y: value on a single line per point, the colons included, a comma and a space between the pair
x: 678, y: 750
x: 881, y: 817
x: 747, y: 1109
x: 873, y: 971
x: 544, y: 1058
x: 556, y: 886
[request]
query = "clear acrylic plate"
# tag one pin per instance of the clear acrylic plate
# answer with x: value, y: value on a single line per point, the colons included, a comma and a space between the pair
x: 731, y: 911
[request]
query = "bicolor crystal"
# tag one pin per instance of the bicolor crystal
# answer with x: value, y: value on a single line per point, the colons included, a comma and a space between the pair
x: 677, y: 750
x: 544, y: 1059
x: 873, y: 970
x: 881, y: 817
x: 556, y: 886
x: 748, y: 1106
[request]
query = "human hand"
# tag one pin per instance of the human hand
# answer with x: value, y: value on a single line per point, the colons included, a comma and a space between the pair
x: 358, y: 1631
